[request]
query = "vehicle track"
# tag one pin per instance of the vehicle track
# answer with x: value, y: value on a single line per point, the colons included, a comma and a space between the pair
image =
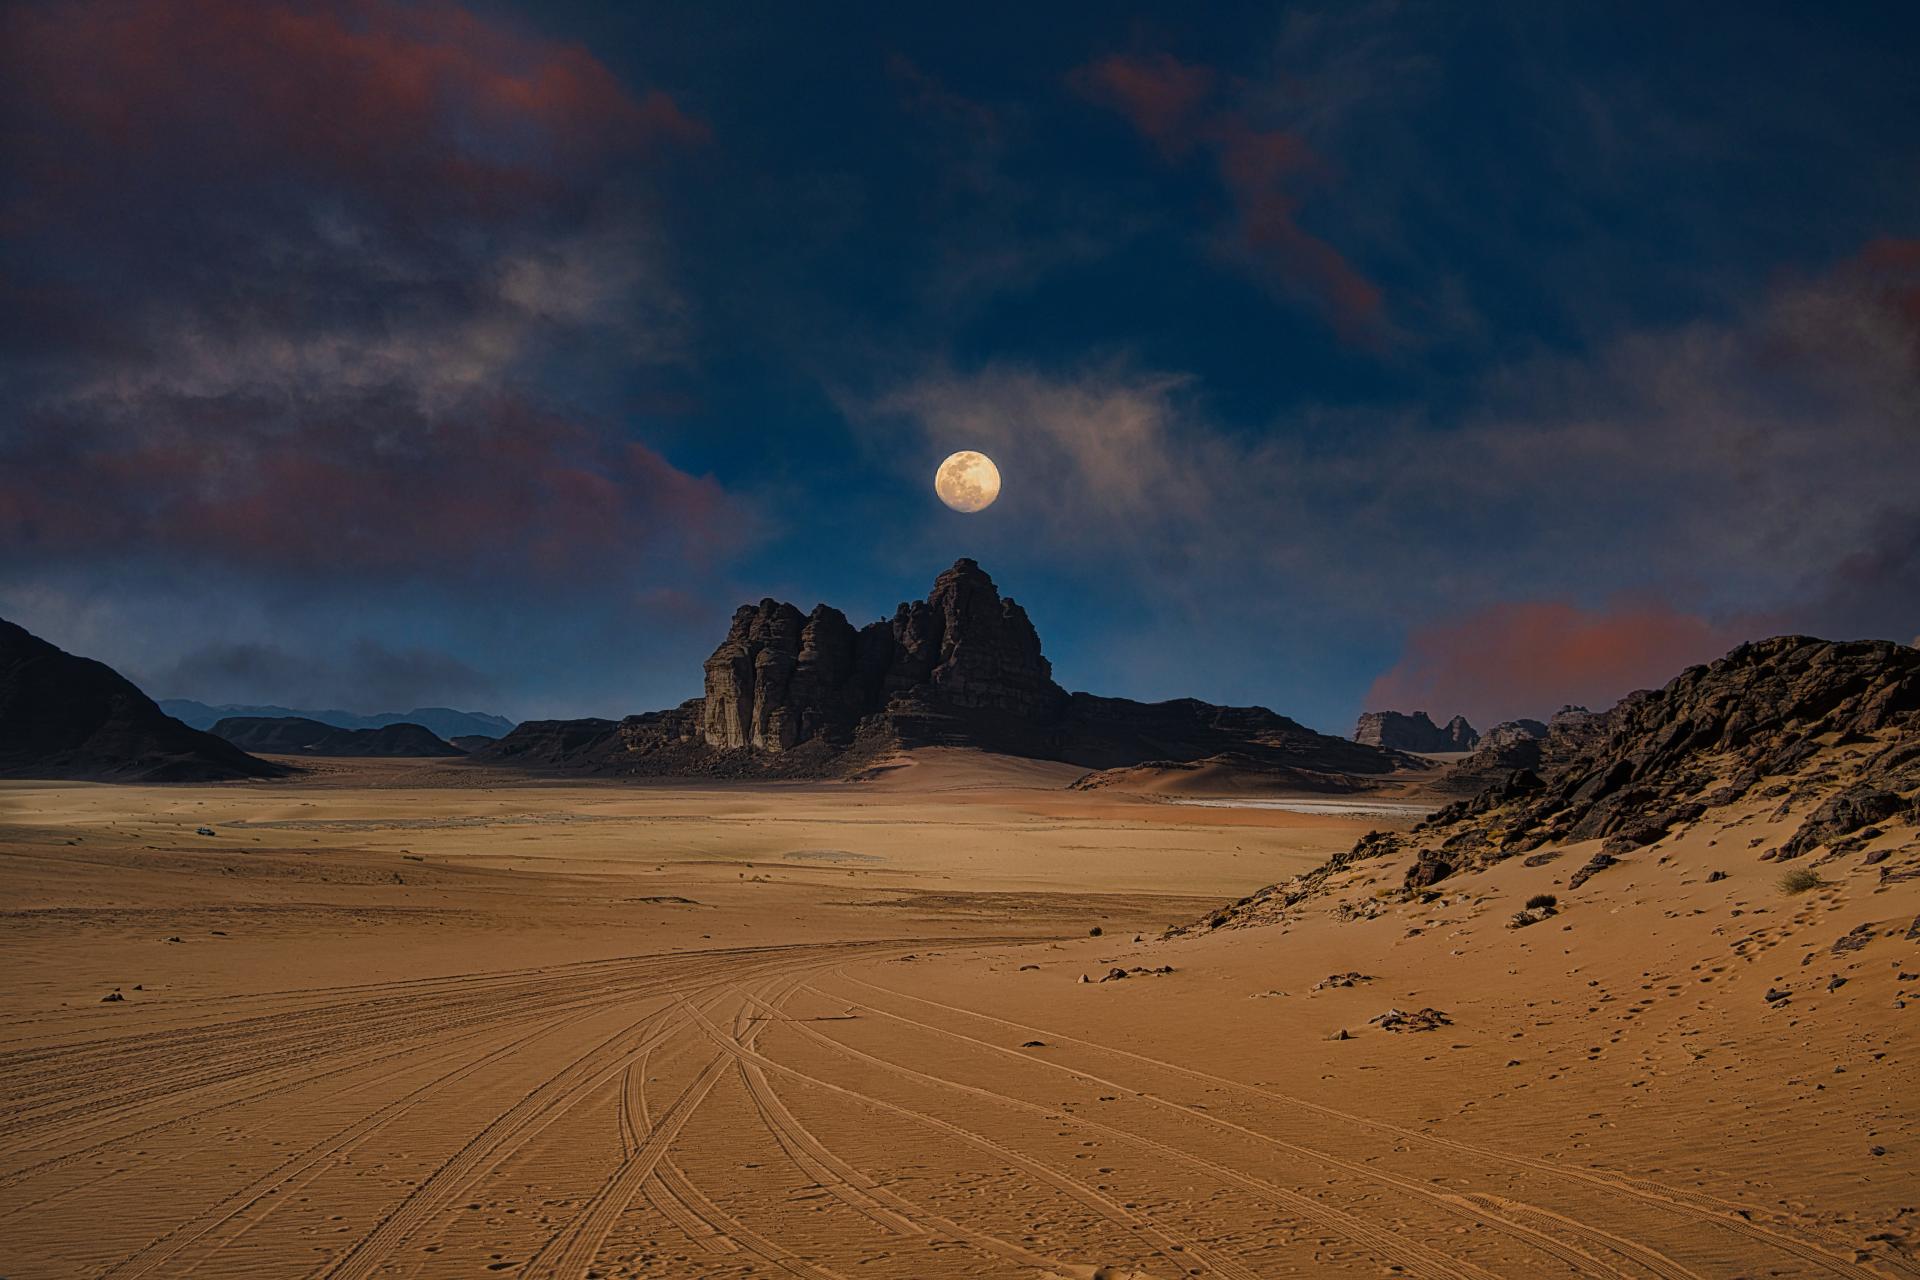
x: 271, y: 1189
x: 1177, y: 1252
x: 1699, y: 1208
x: 1478, y: 1209
x: 301, y: 1075
x: 1383, y: 1243
x: 572, y: 1249
x: 791, y: 1132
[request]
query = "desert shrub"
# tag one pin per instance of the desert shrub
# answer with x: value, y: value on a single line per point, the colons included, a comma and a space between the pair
x: 1543, y: 901
x: 1799, y: 880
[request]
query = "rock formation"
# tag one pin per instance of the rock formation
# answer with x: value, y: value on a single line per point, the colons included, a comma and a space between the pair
x: 789, y: 694
x: 1399, y: 731
x: 782, y: 678
x: 1511, y: 733
x: 1829, y: 729
x: 63, y: 716
x: 295, y: 736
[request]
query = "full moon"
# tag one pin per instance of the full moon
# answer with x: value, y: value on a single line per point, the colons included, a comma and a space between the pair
x: 967, y: 481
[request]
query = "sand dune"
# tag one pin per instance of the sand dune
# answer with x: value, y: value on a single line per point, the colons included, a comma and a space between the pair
x: 404, y: 1018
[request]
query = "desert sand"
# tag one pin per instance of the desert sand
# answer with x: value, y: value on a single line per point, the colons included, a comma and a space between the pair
x: 416, y: 1018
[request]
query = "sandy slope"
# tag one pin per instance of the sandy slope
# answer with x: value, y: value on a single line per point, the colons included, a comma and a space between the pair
x: 424, y: 1020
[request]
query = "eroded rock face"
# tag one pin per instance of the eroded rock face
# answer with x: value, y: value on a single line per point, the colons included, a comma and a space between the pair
x: 781, y: 678
x: 1510, y: 733
x: 989, y: 653
x: 1400, y: 731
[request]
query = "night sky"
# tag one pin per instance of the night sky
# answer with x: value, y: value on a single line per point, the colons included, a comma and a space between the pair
x: 1469, y: 357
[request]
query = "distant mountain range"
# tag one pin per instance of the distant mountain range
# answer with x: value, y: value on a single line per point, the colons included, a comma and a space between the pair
x: 298, y: 736
x: 444, y: 721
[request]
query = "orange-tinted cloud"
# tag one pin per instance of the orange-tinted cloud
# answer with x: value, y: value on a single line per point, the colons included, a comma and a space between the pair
x: 1264, y: 170
x: 1528, y: 658
x: 401, y: 101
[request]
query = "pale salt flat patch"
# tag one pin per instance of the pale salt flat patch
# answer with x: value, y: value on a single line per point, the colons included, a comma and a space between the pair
x: 831, y: 855
x: 1352, y: 808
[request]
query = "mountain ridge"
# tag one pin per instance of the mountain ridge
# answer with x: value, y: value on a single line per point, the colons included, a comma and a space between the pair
x: 444, y: 722
x: 793, y: 694
x: 295, y: 735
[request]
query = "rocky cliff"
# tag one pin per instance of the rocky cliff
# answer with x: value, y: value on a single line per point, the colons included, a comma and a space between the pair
x: 1399, y: 731
x: 792, y: 694
x: 782, y: 678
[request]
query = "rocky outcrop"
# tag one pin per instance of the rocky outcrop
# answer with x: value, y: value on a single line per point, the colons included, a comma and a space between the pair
x: 1511, y: 733
x: 1400, y: 731
x: 1517, y: 745
x: 789, y: 694
x: 557, y: 744
x: 782, y: 678
x: 1831, y: 727
x: 63, y: 716
x: 296, y: 736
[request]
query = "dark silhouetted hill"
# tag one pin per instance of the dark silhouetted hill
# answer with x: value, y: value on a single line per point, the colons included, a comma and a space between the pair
x: 63, y: 716
x: 297, y: 736
x: 443, y: 721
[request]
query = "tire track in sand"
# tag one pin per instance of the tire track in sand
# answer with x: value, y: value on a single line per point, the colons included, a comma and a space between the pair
x: 1177, y: 1252
x: 1477, y: 1208
x: 1384, y: 1243
x: 1703, y: 1209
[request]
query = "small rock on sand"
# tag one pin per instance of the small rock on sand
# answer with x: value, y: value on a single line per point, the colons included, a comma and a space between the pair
x: 1428, y: 1019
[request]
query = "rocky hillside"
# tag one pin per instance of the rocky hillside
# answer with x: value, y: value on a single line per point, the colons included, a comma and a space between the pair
x: 792, y: 694
x: 63, y: 716
x: 296, y: 736
x: 1399, y: 731
x: 1825, y: 732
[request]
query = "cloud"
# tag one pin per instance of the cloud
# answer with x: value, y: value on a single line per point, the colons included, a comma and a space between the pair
x: 347, y: 288
x: 1758, y: 468
x: 416, y: 106
x: 365, y: 488
x: 1267, y: 172
x: 363, y: 675
x: 1161, y: 96
x: 1529, y: 658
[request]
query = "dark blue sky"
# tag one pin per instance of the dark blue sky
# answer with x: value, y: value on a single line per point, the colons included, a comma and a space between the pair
x: 1479, y: 358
